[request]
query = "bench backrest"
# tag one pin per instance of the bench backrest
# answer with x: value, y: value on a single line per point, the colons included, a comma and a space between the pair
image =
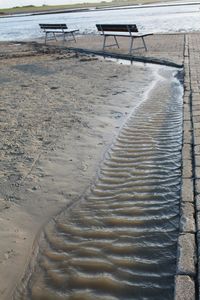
x: 53, y: 26
x: 117, y: 27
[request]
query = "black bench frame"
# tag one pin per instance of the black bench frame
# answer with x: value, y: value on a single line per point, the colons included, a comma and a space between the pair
x: 121, y: 30
x: 53, y: 29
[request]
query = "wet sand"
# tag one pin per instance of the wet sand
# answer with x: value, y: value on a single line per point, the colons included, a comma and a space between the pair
x: 59, y: 113
x: 110, y: 243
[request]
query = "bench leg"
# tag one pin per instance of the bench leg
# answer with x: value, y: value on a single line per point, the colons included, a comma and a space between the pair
x: 73, y: 36
x: 64, y: 37
x: 116, y: 41
x: 104, y: 42
x: 45, y: 38
x: 131, y: 46
x: 144, y: 43
x: 54, y: 36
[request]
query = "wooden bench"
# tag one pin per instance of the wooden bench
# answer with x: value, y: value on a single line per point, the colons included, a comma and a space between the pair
x: 121, y: 30
x: 53, y: 29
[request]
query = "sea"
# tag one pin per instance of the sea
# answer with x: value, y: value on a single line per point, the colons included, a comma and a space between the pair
x: 162, y: 18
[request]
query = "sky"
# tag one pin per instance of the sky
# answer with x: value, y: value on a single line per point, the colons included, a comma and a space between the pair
x: 13, y: 3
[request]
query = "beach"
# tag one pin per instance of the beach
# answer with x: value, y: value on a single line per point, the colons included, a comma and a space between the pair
x: 61, y: 110
x: 59, y: 113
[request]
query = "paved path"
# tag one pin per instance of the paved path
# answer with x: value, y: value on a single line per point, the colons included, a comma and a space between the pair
x: 188, y: 266
x: 164, y: 47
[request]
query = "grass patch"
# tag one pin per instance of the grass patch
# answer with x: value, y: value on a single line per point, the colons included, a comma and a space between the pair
x: 46, y: 8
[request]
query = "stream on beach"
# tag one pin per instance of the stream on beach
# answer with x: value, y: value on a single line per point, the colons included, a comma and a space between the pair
x: 119, y: 240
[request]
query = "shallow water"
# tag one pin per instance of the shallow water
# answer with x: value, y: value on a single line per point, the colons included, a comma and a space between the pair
x: 119, y: 240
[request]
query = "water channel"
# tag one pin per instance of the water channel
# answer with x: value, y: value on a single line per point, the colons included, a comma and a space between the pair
x: 119, y: 241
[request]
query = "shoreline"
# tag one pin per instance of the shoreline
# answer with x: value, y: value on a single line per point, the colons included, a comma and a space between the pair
x: 92, y: 8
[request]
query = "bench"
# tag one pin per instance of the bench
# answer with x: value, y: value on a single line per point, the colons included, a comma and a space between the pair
x: 54, y: 29
x: 121, y: 30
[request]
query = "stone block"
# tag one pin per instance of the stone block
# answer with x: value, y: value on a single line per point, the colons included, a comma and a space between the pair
x: 197, y: 150
x: 197, y: 186
x: 187, y: 168
x: 186, y: 60
x: 186, y: 254
x: 197, y: 160
x: 187, y: 190
x: 186, y: 115
x: 186, y: 94
x: 196, y: 140
x: 198, y: 243
x: 195, y: 106
x: 184, y: 288
x: 196, y: 119
x: 186, y: 151
x: 186, y: 106
x: 196, y: 132
x: 187, y: 126
x: 197, y: 201
x: 196, y: 125
x: 198, y: 221
x: 187, y: 87
x: 197, y: 172
x: 195, y: 89
x: 195, y: 102
x: 187, y: 221
x: 196, y: 112
x: 187, y: 137
x: 196, y: 97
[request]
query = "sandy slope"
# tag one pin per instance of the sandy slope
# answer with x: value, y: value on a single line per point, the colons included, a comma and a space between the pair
x: 58, y: 114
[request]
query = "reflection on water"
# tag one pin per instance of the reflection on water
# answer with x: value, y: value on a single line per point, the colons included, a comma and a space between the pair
x: 119, y: 241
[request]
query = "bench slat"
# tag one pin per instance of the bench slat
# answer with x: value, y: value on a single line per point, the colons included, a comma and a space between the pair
x: 126, y: 35
x: 53, y: 26
x: 117, y: 27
